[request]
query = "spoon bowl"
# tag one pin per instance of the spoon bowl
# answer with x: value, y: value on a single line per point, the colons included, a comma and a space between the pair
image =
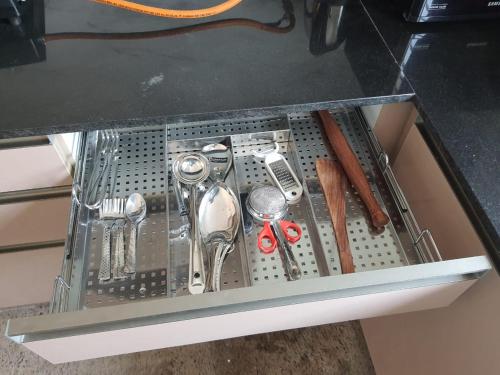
x: 135, y: 208
x: 219, y: 221
x: 219, y: 214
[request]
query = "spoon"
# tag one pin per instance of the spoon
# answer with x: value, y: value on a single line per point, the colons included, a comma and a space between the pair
x: 219, y: 220
x: 135, y: 209
x: 191, y: 169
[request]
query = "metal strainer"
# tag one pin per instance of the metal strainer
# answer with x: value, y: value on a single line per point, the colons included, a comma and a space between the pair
x: 267, y: 204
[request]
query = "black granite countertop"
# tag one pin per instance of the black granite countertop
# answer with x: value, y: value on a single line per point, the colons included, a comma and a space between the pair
x: 454, y: 69
x: 80, y: 65
x: 110, y: 64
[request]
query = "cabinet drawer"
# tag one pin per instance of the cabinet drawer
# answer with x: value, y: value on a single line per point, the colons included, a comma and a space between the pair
x: 34, y: 221
x: 34, y: 272
x: 40, y: 165
x: 396, y: 271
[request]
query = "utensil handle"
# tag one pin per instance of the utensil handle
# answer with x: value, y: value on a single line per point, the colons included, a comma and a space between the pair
x: 334, y: 185
x: 211, y: 259
x: 130, y: 259
x: 196, y: 281
x: 92, y: 198
x: 286, y: 226
x: 119, y: 254
x: 102, y: 183
x: 291, y: 266
x: 266, y: 235
x: 181, y: 202
x: 220, y: 255
x: 105, y: 266
x: 352, y: 168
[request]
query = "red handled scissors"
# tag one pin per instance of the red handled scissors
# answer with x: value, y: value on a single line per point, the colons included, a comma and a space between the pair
x: 292, y: 233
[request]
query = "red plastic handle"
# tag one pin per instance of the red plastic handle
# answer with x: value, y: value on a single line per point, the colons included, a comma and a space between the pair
x: 292, y: 231
x: 266, y: 234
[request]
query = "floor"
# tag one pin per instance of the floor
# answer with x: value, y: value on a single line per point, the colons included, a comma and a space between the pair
x: 329, y: 349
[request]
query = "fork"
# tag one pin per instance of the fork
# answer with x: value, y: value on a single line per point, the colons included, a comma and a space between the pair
x: 103, y: 143
x: 111, y: 211
x: 107, y: 150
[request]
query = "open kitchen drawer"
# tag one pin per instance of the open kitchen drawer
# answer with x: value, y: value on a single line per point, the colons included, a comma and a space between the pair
x: 398, y: 270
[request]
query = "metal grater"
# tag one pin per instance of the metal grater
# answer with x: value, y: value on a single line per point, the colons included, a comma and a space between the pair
x: 280, y: 169
x: 283, y: 177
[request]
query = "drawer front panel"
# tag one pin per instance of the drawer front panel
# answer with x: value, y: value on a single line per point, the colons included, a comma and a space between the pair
x: 413, y: 287
x: 32, y: 168
x: 33, y: 272
x: 74, y: 348
x: 35, y: 221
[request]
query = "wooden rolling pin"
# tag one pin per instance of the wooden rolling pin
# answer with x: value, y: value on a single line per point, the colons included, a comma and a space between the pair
x: 353, y: 169
x: 334, y: 184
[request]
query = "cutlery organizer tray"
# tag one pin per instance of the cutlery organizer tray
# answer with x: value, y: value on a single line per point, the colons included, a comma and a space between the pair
x: 140, y: 167
x: 144, y: 166
x: 301, y: 142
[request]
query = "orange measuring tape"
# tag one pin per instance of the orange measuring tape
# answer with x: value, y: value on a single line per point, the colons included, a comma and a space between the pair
x: 171, y: 13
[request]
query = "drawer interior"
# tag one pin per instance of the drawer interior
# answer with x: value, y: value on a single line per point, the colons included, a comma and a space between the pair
x: 141, y: 168
x: 144, y: 164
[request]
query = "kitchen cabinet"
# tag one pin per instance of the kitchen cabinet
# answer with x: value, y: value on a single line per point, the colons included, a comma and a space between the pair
x: 34, y: 272
x: 41, y: 167
x: 397, y: 271
x: 463, y: 337
x: 33, y: 219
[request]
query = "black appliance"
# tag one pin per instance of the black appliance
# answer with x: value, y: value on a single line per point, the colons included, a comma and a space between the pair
x: 12, y: 10
x: 448, y: 10
x: 22, y: 28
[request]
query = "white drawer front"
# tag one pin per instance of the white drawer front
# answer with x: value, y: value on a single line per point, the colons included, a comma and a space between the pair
x: 170, y: 322
x: 35, y: 221
x: 33, y: 272
x: 75, y: 348
x: 35, y: 167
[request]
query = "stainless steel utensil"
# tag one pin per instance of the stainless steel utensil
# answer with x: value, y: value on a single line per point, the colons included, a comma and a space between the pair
x: 106, y: 153
x: 135, y: 210
x: 112, y: 211
x: 181, y: 197
x: 111, y: 169
x: 103, y: 141
x: 281, y: 172
x: 190, y: 169
x: 267, y: 203
x: 220, y: 158
x: 218, y: 221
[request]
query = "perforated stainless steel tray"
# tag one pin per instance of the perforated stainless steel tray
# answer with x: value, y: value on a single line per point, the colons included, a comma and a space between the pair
x: 139, y: 168
x: 391, y: 248
x: 233, y: 273
x: 145, y: 157
x: 301, y: 142
x: 250, y: 172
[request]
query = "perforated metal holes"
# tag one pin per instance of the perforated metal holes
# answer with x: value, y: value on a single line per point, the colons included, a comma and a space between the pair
x: 141, y: 168
x: 370, y: 250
